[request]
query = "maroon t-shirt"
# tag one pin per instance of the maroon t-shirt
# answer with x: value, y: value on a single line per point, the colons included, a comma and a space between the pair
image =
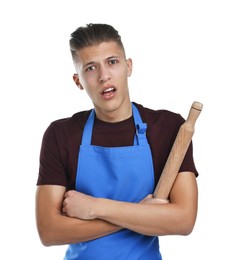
x: 62, y: 139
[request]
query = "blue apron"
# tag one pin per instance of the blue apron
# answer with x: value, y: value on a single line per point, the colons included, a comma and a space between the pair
x: 117, y: 173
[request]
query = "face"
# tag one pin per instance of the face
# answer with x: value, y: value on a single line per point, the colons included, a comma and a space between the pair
x: 103, y: 71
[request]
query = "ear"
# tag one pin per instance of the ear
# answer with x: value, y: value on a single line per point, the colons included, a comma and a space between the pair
x: 77, y: 82
x: 129, y: 65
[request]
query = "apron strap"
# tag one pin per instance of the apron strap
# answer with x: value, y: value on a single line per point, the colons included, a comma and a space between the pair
x: 88, y: 128
x: 140, y: 137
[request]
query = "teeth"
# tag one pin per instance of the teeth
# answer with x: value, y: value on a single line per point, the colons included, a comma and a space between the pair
x: 108, y: 90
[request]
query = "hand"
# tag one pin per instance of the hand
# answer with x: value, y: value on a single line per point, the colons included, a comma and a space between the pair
x: 151, y: 200
x: 78, y: 205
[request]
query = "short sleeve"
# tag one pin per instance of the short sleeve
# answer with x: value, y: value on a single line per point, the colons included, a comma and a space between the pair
x: 51, y: 167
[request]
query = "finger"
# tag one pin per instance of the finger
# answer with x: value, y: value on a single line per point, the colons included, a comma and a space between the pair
x: 64, y: 210
x: 66, y: 194
x: 160, y: 201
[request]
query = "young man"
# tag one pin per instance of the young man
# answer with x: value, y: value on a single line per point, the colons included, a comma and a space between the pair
x: 99, y: 168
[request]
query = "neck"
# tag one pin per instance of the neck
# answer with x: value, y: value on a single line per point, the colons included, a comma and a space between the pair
x: 114, y: 115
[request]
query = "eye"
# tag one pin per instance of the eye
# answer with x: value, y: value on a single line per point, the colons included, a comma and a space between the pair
x: 90, y: 68
x: 112, y: 62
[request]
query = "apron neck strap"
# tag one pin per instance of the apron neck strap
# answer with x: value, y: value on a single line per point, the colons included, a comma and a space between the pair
x: 140, y: 137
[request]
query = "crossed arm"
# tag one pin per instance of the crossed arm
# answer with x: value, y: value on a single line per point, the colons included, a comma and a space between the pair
x: 71, y: 217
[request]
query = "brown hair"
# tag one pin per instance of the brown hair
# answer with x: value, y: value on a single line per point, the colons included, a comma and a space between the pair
x: 93, y: 34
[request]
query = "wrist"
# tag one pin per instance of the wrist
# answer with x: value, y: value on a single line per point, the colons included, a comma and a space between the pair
x: 98, y: 208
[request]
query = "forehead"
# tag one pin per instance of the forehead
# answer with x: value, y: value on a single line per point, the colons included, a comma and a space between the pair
x: 100, y: 51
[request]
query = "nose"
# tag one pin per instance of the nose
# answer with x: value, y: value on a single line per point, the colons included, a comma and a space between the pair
x: 104, y: 74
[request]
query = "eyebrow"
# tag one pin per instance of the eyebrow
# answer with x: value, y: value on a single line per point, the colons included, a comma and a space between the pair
x: 112, y: 57
x: 93, y: 62
x: 88, y: 64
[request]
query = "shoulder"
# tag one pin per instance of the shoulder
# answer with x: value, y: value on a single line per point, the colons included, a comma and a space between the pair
x: 160, y: 116
x: 61, y: 130
x: 74, y: 123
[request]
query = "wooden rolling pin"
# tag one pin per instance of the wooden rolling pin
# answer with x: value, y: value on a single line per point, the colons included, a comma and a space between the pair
x: 177, y: 153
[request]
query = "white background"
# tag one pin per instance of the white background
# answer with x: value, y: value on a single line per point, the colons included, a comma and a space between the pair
x: 181, y: 52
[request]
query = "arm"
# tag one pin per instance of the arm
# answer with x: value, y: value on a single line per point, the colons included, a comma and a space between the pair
x: 56, y: 229
x: 175, y: 218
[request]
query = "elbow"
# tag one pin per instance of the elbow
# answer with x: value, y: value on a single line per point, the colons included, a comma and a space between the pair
x: 186, y: 227
x: 46, y: 242
x: 186, y: 231
x: 185, y: 221
x: 45, y: 238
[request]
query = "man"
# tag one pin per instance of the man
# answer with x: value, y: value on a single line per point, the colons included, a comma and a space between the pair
x: 99, y: 168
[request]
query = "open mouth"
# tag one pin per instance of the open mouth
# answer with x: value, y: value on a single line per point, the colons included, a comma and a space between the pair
x: 108, y: 91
